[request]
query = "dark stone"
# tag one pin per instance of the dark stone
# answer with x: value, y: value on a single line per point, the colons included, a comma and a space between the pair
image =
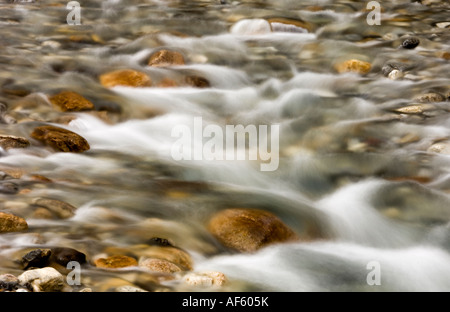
x: 157, y: 241
x: 410, y: 43
x: 197, y: 81
x: 8, y: 282
x: 9, y: 188
x: 38, y: 258
x: 63, y: 255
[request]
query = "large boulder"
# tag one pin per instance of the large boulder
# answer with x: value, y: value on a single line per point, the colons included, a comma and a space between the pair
x: 248, y: 230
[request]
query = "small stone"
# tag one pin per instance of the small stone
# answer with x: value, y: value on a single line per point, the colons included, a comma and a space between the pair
x: 115, y: 262
x: 440, y: 148
x: 205, y: 279
x: 248, y: 230
x: 126, y: 78
x: 69, y: 101
x: 395, y: 74
x: 353, y: 65
x: 159, y: 265
x: 197, y: 81
x: 430, y: 97
x: 410, y: 43
x: 64, y: 255
x: 60, y: 139
x: 164, y: 58
x: 443, y: 24
x: 8, y: 282
x: 37, y: 258
x: 128, y: 288
x: 251, y: 27
x: 172, y: 254
x: 414, y: 109
x: 289, y: 25
x: 12, y: 223
x: 43, y: 280
x: 157, y: 241
x: 61, y: 209
x: 8, y: 141
x: 9, y: 188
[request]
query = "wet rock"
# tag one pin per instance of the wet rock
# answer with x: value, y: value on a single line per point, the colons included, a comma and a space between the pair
x: 126, y: 78
x: 8, y: 141
x: 59, y: 208
x: 159, y: 265
x: 8, y: 282
x: 60, y: 139
x: 164, y: 58
x: 440, y: 148
x: 248, y: 230
x: 43, y: 280
x: 205, y: 279
x: 9, y: 188
x: 410, y: 43
x: 251, y: 27
x: 430, y: 97
x: 289, y: 25
x: 37, y: 258
x: 197, y: 82
x: 69, y: 101
x: 353, y: 65
x: 414, y: 109
x: 395, y: 74
x: 12, y: 223
x: 172, y: 254
x: 115, y: 262
x: 64, y: 255
x: 129, y: 288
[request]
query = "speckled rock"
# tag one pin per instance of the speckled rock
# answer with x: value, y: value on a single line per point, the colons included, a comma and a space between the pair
x: 12, y: 223
x: 69, y: 101
x: 353, y: 65
x: 60, y: 139
x: 164, y: 58
x: 125, y: 78
x: 205, y: 279
x: 159, y: 265
x: 8, y: 142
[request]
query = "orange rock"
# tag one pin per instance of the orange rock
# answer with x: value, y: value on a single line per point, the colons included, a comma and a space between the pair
x: 166, y: 58
x: 248, y: 230
x: 115, y: 262
x: 69, y: 101
x: 125, y: 77
x: 12, y: 223
x: 353, y: 65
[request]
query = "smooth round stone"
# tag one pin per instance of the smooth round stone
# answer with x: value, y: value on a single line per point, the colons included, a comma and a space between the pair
x: 115, y: 262
x: 248, y: 230
x: 60, y: 139
x: 125, y: 78
x: 164, y: 58
x: 251, y: 27
x: 46, y: 279
x: 69, y: 101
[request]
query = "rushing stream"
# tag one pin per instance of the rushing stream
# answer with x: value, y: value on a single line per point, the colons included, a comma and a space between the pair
x: 361, y: 155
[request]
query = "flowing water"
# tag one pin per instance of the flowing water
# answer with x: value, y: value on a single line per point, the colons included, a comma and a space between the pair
x: 375, y: 177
